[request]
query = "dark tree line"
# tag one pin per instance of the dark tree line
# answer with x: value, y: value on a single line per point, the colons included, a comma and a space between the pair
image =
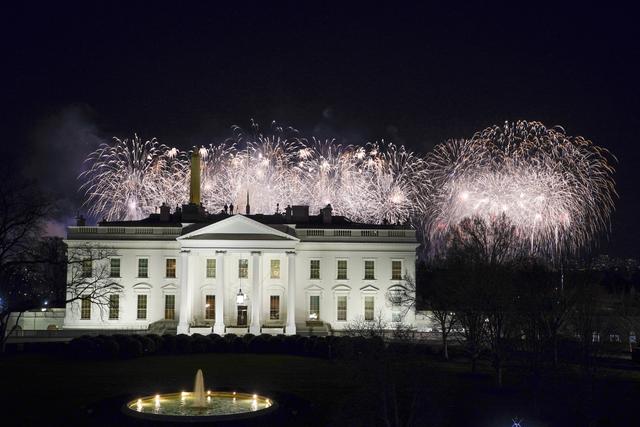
x: 497, y: 301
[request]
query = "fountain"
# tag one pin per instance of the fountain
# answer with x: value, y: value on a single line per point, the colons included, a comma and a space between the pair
x: 198, y: 391
x: 199, y: 405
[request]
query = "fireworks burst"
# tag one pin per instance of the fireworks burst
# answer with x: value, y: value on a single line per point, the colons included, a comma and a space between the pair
x: 557, y: 190
x: 373, y: 183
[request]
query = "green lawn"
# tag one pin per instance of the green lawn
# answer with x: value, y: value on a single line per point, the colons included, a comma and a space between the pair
x: 53, y: 390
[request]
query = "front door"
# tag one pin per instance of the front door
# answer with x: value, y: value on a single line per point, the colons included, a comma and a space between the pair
x: 242, y: 315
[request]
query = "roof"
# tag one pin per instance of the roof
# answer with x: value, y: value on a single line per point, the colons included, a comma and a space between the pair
x: 234, y: 236
x: 278, y: 221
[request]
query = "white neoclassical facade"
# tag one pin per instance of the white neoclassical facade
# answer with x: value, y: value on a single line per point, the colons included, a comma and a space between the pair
x: 282, y: 273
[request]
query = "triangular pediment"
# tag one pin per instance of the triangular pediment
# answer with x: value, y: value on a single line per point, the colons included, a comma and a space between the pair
x: 237, y: 227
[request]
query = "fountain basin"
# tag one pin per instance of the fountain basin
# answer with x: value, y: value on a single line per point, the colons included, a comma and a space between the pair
x: 183, y: 406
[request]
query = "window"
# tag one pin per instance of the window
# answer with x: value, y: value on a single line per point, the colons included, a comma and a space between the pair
x: 614, y: 337
x: 342, y: 308
x: 143, y: 267
x: 342, y: 269
x: 171, y: 268
x: 314, y: 307
x: 274, y: 307
x: 595, y: 337
x: 211, y: 268
x: 170, y: 307
x: 275, y: 268
x: 369, y: 270
x: 114, y: 271
x: 210, y: 307
x: 142, y: 307
x: 368, y: 308
x: 314, y: 269
x: 85, y: 309
x: 243, y: 268
x: 87, y: 268
x: 114, y: 306
x: 396, y: 317
x: 396, y: 270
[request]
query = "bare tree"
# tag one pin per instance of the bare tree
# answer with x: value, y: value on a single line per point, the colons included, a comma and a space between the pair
x: 359, y: 327
x: 23, y: 210
x: 482, y: 254
x: 89, y: 275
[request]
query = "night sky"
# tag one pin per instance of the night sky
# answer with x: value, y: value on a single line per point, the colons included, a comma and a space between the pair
x: 74, y: 76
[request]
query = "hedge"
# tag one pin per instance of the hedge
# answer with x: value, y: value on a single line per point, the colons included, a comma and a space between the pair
x: 128, y: 346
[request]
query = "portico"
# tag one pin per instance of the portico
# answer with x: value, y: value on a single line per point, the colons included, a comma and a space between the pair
x: 252, y: 279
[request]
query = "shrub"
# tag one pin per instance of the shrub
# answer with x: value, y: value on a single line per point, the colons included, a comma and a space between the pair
x: 248, y: 338
x: 157, y: 340
x: 168, y: 344
x: 230, y: 337
x: 199, y: 343
x: 216, y: 344
x: 107, y: 347
x: 129, y: 347
x: 148, y: 345
x: 290, y: 344
x: 259, y: 344
x: 237, y: 345
x: 81, y: 347
x: 183, y: 344
x: 635, y: 354
x: 320, y: 348
x: 343, y: 348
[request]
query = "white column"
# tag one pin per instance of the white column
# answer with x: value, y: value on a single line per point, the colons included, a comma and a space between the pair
x: 218, y: 327
x: 291, y: 294
x: 183, y: 324
x: 256, y: 294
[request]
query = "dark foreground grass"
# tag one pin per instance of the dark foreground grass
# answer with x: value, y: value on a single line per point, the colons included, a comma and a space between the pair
x: 54, y: 390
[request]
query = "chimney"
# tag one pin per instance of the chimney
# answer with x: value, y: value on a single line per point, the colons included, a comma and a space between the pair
x: 194, y: 196
x: 165, y: 213
x: 300, y: 213
x: 248, y: 208
x: 287, y: 213
x: 326, y: 214
x: 81, y: 221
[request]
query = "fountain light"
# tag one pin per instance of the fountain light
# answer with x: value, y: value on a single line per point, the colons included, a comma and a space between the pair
x: 208, y: 391
x: 234, y: 393
x: 255, y: 396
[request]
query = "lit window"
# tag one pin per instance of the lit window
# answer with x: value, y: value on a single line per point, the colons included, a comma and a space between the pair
x: 87, y: 268
x: 170, y: 307
x: 314, y: 307
x: 369, y: 270
x: 210, y: 307
x: 143, y: 267
x: 114, y: 271
x: 396, y: 270
x: 142, y: 307
x: 171, y: 268
x: 85, y: 309
x: 274, y: 307
x: 595, y: 337
x: 243, y: 268
x: 368, y: 308
x: 114, y: 306
x: 275, y: 268
x: 314, y: 269
x: 211, y: 268
x: 342, y: 269
x: 342, y: 308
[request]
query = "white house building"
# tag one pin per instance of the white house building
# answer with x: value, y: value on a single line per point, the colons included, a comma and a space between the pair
x: 257, y: 273
x: 225, y: 272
